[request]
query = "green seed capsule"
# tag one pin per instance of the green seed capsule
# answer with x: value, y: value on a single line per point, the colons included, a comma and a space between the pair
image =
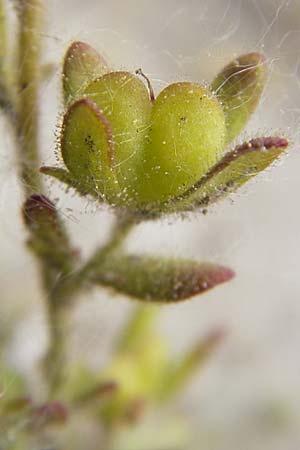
x: 124, y: 101
x: 152, y: 156
x: 186, y: 138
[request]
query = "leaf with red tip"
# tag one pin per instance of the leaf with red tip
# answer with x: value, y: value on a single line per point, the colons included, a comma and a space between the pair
x: 235, y: 169
x: 82, y: 64
x: 239, y: 87
x: 158, y: 280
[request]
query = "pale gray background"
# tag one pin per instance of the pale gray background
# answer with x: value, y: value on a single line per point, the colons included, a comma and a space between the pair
x: 248, y: 396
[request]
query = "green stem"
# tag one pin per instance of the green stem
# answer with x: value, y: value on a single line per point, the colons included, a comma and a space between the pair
x: 62, y: 297
x: 122, y: 228
x: 55, y: 362
x: 5, y: 97
x: 3, y: 41
x: 26, y: 125
x: 28, y: 78
x: 120, y: 232
x: 59, y: 291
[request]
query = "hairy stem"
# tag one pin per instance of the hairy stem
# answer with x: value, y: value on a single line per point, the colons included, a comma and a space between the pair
x: 59, y: 290
x: 28, y: 78
x: 62, y: 297
x: 5, y: 98
x: 120, y: 232
x: 3, y: 31
x: 55, y: 360
x: 26, y: 123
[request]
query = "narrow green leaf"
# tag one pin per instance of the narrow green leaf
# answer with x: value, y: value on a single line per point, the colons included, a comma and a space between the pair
x: 81, y: 65
x: 235, y: 169
x: 48, y: 238
x: 158, y: 280
x: 239, y: 87
x: 139, y: 327
x: 181, y: 371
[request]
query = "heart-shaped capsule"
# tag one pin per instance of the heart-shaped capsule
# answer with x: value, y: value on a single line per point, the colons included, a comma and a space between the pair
x: 133, y: 151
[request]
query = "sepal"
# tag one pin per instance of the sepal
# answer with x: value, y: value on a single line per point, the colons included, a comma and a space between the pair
x: 88, y: 149
x: 239, y: 87
x: 232, y: 171
x: 81, y: 65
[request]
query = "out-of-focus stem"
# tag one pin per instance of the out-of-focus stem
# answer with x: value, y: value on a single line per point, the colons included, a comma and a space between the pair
x: 28, y: 78
x: 5, y: 100
x: 119, y: 233
x: 55, y: 361
x: 2, y: 38
x: 26, y: 125
x: 62, y: 297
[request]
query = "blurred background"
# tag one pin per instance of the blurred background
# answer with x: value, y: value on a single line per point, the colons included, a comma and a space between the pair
x: 248, y: 395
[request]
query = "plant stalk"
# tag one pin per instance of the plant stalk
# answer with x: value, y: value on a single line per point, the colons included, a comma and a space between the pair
x: 30, y: 14
x: 119, y: 233
x: 28, y: 79
x: 5, y: 97
x: 3, y: 40
x: 62, y: 297
x: 59, y: 291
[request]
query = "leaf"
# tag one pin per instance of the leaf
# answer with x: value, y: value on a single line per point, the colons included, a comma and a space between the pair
x: 159, y: 280
x: 180, y: 372
x: 239, y: 87
x: 138, y: 329
x: 48, y: 238
x: 81, y: 65
x: 235, y: 169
